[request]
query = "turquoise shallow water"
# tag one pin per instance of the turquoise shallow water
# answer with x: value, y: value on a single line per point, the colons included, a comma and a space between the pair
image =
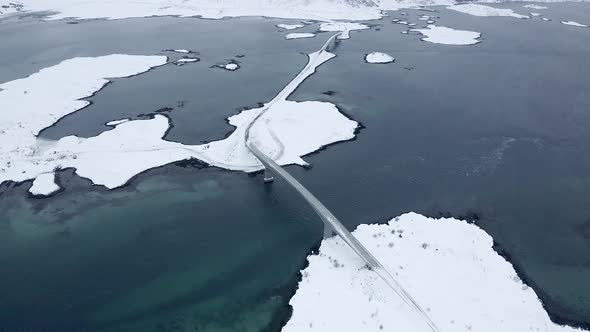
x: 496, y: 132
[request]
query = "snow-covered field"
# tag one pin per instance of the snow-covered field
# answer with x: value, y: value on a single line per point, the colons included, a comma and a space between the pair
x: 447, y: 36
x: 447, y: 265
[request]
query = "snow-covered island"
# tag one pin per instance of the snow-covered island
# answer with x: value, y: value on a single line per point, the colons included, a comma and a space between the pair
x: 230, y: 66
x: 299, y: 35
x: 290, y: 26
x: 115, y: 156
x: 449, y: 267
x: 574, y: 24
x: 447, y: 36
x: 379, y: 57
x: 183, y: 61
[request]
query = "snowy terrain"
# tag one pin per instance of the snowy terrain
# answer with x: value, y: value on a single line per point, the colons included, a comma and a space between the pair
x: 322, y: 10
x: 319, y: 10
x: 448, y: 266
x: 483, y: 10
x: 131, y: 147
x: 378, y: 57
x: 447, y: 36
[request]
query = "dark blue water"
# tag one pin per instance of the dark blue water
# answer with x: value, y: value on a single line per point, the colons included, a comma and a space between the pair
x: 495, y: 132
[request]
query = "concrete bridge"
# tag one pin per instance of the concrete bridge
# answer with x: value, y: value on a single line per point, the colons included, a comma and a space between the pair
x: 332, y: 226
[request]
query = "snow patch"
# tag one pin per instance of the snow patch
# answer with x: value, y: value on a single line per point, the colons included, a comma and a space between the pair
x: 290, y: 26
x: 299, y: 35
x: 574, y: 24
x: 449, y: 267
x: 483, y: 10
x: 44, y: 185
x: 232, y: 66
x: 378, y: 57
x: 447, y: 36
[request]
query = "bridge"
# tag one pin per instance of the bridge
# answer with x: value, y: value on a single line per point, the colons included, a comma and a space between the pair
x: 332, y: 226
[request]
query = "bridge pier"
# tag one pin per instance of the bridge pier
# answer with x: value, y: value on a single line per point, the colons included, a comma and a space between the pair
x: 268, y: 176
x: 328, y: 231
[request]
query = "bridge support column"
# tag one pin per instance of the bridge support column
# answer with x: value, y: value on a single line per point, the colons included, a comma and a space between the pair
x: 328, y: 231
x: 268, y: 176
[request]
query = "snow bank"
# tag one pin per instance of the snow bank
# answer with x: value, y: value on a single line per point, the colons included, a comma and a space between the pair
x: 290, y: 26
x: 345, y: 27
x: 574, y: 24
x: 299, y: 35
x: 443, y: 35
x: 447, y: 265
x: 378, y: 57
x: 115, y: 156
x: 483, y: 10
